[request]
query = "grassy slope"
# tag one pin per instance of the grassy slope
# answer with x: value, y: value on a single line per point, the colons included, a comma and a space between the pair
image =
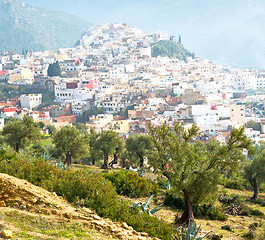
x: 239, y: 224
x: 25, y: 225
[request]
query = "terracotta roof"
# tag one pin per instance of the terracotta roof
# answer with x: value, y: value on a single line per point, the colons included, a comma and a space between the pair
x: 12, y: 109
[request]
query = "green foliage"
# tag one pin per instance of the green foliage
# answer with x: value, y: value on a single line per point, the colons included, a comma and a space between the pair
x: 130, y: 184
x: 256, y: 212
x: 54, y: 69
x: 255, y: 125
x: 138, y: 147
x: 71, y: 143
x: 144, y: 207
x: 227, y: 200
x: 192, y: 167
x: 254, y: 172
x: 124, y: 111
x: 234, y: 184
x: 12, y: 91
x: 210, y: 211
x: 93, y: 190
x: 175, y: 202
x: 20, y: 133
x: 109, y: 143
x: 6, y: 153
x: 81, y: 127
x: 94, y: 111
x: 227, y: 228
x: 207, y: 210
x: 95, y: 154
x: 41, y: 125
x: 171, y: 49
x: 254, y: 226
x: 250, y: 235
x: 165, y: 184
x: 189, y: 233
x: 51, y: 129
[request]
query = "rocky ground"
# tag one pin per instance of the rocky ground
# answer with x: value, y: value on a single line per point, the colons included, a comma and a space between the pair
x: 30, y: 212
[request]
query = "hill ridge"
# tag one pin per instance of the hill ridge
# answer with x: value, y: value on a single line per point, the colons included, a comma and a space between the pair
x: 36, y: 28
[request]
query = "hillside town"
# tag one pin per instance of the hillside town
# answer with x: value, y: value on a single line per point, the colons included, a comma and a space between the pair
x: 111, y: 81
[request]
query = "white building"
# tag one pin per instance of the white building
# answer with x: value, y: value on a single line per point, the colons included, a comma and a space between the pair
x: 30, y: 101
x: 72, y: 91
x: 207, y: 122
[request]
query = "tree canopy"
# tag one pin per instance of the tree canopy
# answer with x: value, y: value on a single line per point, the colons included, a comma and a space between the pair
x: 171, y: 48
x: 254, y: 125
x: 21, y: 132
x: 54, y: 69
x: 108, y: 143
x: 51, y: 129
x: 71, y: 143
x: 254, y: 172
x: 192, y: 167
x: 138, y: 147
x: 84, y: 117
x: 95, y: 153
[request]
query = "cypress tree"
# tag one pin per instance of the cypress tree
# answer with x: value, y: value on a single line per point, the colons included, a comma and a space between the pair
x: 54, y: 69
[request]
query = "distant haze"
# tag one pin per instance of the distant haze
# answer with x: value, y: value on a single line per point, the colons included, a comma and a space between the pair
x: 230, y: 32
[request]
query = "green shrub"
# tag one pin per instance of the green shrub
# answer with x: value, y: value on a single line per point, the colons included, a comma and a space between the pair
x: 256, y: 212
x: 6, y: 154
x: 227, y: 200
x: 202, y: 210
x: 227, y: 228
x: 210, y: 211
x: 234, y: 184
x: 254, y: 226
x: 93, y: 190
x: 130, y: 184
x: 250, y: 235
x: 172, y: 201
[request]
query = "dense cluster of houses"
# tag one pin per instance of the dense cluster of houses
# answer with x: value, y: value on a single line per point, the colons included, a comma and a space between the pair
x: 112, y: 69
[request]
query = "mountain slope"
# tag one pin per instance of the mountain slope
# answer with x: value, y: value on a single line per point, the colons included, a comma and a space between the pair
x: 23, y: 26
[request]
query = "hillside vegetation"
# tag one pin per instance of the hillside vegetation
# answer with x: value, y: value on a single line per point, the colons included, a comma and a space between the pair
x: 189, y: 180
x: 27, y: 27
x: 171, y: 48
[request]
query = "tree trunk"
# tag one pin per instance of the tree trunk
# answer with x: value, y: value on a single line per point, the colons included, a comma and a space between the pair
x: 93, y: 161
x: 68, y: 159
x: 17, y: 147
x: 255, y: 189
x: 141, y: 162
x: 123, y: 163
x: 106, y: 162
x: 115, y: 159
x: 187, y: 215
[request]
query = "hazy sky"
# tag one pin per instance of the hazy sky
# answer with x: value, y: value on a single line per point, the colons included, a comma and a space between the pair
x: 227, y: 31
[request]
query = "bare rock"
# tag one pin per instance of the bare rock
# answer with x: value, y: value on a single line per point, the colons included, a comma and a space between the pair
x: 6, y: 234
x: 2, y: 204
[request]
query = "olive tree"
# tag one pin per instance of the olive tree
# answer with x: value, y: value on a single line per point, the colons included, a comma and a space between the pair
x: 192, y: 167
x: 254, y: 172
x: 19, y: 133
x: 138, y: 147
x: 109, y: 143
x: 71, y: 143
